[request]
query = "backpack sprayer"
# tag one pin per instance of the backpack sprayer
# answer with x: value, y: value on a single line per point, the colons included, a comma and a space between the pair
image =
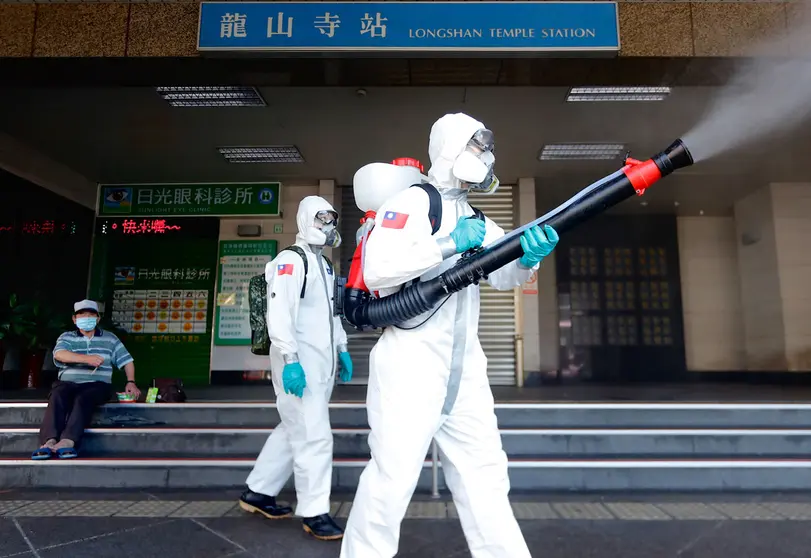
x: 364, y: 312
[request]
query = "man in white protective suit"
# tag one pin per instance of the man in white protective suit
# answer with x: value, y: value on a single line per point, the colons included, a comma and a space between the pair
x: 307, y: 342
x: 428, y: 376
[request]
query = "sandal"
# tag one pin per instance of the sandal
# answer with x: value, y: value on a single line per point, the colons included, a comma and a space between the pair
x: 66, y: 453
x: 42, y: 454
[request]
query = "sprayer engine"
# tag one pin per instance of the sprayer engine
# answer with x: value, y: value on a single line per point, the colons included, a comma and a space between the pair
x: 364, y: 312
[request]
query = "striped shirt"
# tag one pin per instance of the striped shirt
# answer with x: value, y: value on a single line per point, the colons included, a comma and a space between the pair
x: 103, y: 343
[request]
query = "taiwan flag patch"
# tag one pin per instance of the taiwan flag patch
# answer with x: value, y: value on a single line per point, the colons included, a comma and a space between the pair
x: 392, y: 220
x: 284, y: 269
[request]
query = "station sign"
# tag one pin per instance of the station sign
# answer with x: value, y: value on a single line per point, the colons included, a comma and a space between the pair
x: 189, y: 200
x: 409, y: 26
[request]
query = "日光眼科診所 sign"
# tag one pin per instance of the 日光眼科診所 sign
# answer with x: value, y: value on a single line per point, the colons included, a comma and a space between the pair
x: 408, y: 26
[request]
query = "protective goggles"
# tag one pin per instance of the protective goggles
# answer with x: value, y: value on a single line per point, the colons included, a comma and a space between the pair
x: 327, y: 217
x: 482, y: 141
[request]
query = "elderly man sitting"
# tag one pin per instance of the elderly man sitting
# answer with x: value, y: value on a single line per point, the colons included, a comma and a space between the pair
x: 85, y: 359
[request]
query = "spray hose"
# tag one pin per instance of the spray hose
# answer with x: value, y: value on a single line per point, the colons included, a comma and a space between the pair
x: 363, y: 312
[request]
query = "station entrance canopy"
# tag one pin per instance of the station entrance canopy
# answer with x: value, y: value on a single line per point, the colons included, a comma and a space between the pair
x: 409, y: 27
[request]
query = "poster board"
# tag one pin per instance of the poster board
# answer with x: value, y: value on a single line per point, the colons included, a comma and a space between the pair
x: 238, y: 261
x: 155, y: 278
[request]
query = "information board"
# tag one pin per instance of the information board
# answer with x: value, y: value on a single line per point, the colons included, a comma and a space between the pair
x: 239, y: 260
x: 158, y: 288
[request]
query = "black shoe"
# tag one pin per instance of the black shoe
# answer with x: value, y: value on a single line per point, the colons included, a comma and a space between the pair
x: 254, y: 502
x: 323, y: 528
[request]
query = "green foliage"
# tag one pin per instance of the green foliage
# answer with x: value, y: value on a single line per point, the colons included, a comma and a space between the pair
x: 31, y: 325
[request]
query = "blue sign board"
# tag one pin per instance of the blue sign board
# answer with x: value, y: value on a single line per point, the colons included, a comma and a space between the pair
x: 408, y: 26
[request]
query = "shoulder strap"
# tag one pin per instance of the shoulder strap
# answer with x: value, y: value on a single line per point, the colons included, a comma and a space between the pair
x: 300, y: 252
x: 434, y: 205
x: 477, y: 213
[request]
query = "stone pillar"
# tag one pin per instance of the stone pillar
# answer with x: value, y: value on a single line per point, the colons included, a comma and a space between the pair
x: 773, y: 228
x: 711, y: 294
x: 539, y: 297
x: 791, y: 209
x: 525, y: 199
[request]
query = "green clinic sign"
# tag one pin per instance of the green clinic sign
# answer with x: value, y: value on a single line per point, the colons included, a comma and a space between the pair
x: 190, y: 200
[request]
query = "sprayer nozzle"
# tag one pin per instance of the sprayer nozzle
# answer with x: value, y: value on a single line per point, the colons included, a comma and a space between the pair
x: 673, y: 158
x: 679, y: 155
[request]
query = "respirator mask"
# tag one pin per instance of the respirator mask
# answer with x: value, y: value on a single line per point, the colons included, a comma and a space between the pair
x: 475, y: 164
x: 325, y: 229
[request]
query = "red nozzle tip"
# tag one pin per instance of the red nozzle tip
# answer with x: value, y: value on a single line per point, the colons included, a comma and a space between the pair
x: 408, y: 162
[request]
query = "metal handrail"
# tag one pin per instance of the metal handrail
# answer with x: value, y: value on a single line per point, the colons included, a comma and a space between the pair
x: 434, y: 470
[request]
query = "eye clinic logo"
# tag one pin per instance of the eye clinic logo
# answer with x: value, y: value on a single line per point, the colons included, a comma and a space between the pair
x: 118, y: 200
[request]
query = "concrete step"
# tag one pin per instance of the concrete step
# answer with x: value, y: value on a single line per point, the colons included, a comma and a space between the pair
x: 517, y: 442
x: 745, y: 474
x: 510, y: 415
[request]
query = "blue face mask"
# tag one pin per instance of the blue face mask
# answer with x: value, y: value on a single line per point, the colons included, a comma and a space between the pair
x: 86, y: 324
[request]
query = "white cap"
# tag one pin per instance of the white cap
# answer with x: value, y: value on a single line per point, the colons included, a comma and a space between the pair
x: 85, y: 305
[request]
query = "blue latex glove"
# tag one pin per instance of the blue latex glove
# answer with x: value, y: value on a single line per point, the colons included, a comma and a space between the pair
x: 537, y: 245
x: 293, y: 379
x: 346, y: 366
x: 469, y: 233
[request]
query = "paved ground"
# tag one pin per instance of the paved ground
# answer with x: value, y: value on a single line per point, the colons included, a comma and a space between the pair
x: 138, y: 524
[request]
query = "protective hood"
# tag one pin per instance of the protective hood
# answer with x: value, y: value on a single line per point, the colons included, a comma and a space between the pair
x: 449, y: 137
x: 308, y: 233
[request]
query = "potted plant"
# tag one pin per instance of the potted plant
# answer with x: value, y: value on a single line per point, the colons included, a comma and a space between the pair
x: 34, y: 327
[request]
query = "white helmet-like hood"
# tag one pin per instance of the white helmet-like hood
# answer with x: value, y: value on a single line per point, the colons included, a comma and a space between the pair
x: 308, y: 233
x: 449, y: 138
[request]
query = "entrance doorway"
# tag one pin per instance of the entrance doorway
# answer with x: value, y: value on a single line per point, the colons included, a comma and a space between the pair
x: 620, y: 300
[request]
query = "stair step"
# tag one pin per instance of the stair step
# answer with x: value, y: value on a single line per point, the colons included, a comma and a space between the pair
x: 510, y: 415
x: 517, y: 442
x: 787, y: 474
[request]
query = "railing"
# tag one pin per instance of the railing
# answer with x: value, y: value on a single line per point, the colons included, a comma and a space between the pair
x: 434, y: 470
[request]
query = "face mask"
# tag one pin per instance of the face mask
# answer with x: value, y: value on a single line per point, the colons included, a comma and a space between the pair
x: 332, y: 236
x: 474, y: 166
x: 87, y: 324
x: 324, y: 231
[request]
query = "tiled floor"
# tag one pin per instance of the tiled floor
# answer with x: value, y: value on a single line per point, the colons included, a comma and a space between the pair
x: 547, y: 510
x: 137, y: 524
x: 252, y: 537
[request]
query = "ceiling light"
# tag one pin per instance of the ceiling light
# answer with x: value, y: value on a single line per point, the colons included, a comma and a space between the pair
x: 575, y: 151
x: 265, y: 154
x: 617, y: 94
x: 211, y: 96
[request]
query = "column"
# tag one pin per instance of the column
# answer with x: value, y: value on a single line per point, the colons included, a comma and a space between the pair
x: 539, y: 298
x: 711, y: 294
x: 529, y: 291
x: 773, y: 227
x: 791, y: 209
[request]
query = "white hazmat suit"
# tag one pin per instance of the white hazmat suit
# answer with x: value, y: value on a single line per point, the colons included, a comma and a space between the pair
x: 431, y: 381
x: 302, y: 443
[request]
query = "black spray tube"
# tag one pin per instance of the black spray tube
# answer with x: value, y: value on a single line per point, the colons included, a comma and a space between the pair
x: 421, y: 297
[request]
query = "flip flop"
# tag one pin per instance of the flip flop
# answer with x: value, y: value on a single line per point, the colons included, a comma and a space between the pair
x: 66, y: 453
x: 41, y: 454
